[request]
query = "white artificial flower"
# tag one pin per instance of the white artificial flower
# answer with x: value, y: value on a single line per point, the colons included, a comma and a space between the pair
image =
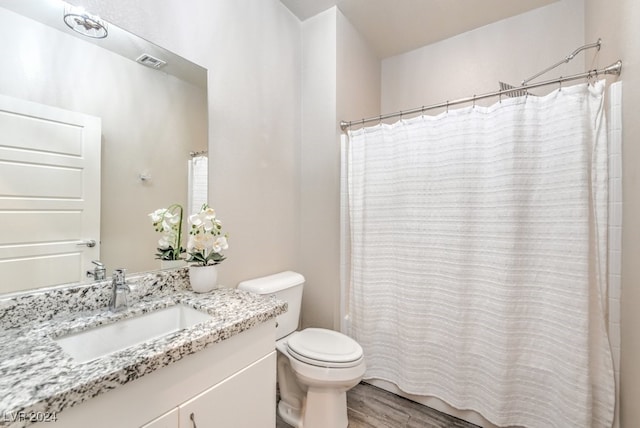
x: 157, y: 215
x: 205, y: 237
x: 208, y: 225
x: 209, y: 213
x: 170, y: 222
x: 195, y: 220
x: 201, y: 242
x: 171, y: 218
x: 164, y: 242
x: 205, y: 220
x: 220, y: 244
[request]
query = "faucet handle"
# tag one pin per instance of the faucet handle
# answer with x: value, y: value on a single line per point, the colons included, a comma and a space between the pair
x: 99, y: 272
x: 119, y: 276
x: 119, y: 291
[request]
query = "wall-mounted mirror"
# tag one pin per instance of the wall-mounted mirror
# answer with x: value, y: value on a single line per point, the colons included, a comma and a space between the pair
x: 56, y: 86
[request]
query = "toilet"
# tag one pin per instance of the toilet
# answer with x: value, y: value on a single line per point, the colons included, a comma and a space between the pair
x: 316, y: 366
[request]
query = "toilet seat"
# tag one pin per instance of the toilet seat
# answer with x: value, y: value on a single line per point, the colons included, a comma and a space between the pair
x: 324, y: 348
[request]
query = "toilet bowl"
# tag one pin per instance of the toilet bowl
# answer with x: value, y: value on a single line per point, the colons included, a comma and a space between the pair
x: 316, y: 367
x: 313, y: 383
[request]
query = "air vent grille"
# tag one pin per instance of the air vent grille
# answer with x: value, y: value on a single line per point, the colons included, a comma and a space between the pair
x: 151, y: 61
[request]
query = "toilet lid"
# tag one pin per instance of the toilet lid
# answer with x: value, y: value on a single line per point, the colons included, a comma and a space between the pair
x: 325, y: 348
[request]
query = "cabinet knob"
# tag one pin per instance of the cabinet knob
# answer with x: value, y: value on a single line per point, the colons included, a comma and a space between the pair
x: 193, y: 420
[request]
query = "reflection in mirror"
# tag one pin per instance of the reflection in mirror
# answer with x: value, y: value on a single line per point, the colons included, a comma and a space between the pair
x: 149, y: 120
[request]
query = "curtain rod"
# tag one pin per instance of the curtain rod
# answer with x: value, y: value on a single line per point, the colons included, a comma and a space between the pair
x: 614, y: 68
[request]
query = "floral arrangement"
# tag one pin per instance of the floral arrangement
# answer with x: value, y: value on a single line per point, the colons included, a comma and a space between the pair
x: 206, y: 240
x: 168, y: 221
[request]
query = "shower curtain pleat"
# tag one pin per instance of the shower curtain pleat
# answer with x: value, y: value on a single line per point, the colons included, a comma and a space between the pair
x: 477, y: 267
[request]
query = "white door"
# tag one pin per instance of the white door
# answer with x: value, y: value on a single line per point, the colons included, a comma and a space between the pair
x: 49, y: 194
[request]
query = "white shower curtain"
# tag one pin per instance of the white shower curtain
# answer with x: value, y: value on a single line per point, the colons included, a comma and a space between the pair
x: 197, y: 183
x: 477, y: 268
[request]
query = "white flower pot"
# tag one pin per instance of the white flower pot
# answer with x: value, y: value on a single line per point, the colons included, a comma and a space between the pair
x: 172, y: 264
x: 203, y: 278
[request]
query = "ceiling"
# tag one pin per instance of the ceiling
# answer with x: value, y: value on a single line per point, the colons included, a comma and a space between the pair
x: 395, y: 26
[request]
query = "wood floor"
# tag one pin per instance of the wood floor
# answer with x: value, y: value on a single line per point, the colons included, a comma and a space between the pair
x: 371, y: 407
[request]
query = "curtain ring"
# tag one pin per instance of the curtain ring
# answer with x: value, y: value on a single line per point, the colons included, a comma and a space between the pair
x: 422, y: 111
x: 380, y: 120
x: 560, y: 84
x: 362, y: 121
x: 447, y: 106
x: 474, y: 100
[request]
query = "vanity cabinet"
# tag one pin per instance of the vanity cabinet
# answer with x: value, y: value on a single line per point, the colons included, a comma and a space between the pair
x: 168, y: 420
x: 244, y: 400
x: 228, y: 384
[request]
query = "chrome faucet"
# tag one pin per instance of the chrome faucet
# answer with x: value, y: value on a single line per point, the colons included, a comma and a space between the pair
x: 119, y: 291
x: 98, y: 273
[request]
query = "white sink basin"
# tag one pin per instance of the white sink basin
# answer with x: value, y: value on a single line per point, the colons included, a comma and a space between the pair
x: 105, y: 339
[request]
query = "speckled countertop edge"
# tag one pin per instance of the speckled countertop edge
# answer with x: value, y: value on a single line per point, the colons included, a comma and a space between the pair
x: 17, y: 309
x: 37, y: 376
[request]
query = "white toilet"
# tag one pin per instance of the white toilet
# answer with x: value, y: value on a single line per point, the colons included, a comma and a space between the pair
x: 316, y: 367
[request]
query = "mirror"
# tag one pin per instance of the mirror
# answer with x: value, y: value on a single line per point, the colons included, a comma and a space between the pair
x: 152, y: 120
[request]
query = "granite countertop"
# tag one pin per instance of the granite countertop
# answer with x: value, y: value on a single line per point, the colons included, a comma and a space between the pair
x: 37, y: 377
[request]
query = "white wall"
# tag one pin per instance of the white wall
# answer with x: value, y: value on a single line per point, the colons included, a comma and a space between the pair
x: 358, y: 71
x: 341, y: 78
x: 319, y: 236
x: 252, y: 49
x: 474, y: 62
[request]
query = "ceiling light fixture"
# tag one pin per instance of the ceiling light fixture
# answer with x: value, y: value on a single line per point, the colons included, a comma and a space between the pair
x: 87, y: 25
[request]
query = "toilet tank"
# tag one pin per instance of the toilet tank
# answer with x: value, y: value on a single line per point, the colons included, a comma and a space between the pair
x: 286, y: 286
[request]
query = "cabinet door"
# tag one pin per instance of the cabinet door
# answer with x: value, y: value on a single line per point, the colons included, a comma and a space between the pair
x: 245, y: 400
x: 168, y: 420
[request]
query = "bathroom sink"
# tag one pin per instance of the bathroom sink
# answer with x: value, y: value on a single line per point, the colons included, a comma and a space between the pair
x: 105, y: 339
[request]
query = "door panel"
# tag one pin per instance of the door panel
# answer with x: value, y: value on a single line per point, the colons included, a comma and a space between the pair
x: 40, y: 181
x: 60, y: 225
x: 49, y: 194
x: 35, y: 133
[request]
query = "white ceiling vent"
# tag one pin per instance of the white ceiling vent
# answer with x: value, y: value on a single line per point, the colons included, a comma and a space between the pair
x: 151, y: 61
